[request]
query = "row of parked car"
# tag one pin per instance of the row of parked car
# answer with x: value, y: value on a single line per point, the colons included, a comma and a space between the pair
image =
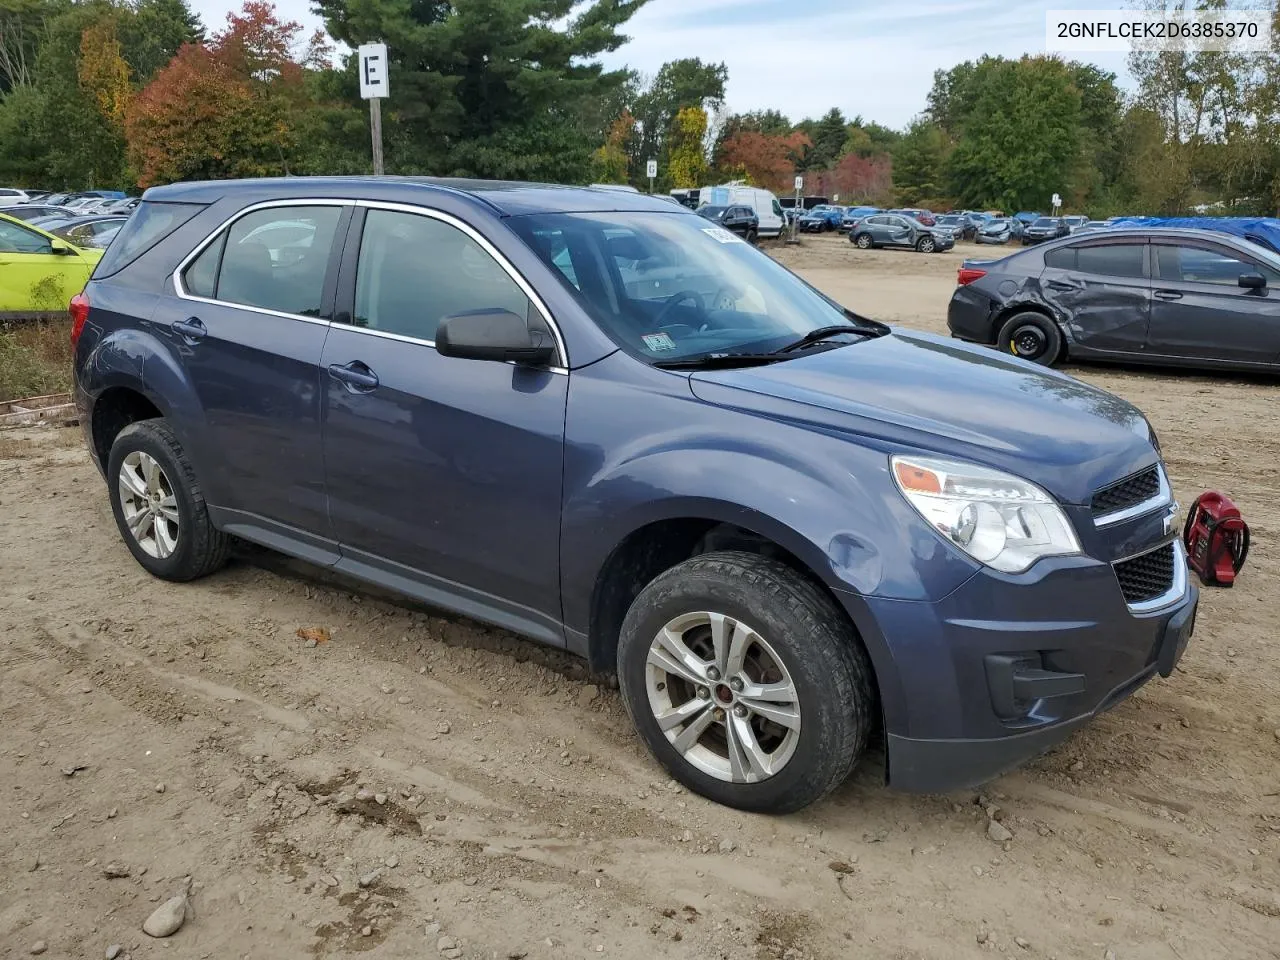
x: 88, y: 220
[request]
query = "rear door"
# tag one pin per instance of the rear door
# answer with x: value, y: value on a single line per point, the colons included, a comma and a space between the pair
x: 1102, y: 291
x: 248, y: 324
x: 1200, y: 311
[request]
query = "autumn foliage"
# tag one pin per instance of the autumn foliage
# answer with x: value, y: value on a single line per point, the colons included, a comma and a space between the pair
x: 222, y: 109
x: 767, y: 160
x: 102, y: 72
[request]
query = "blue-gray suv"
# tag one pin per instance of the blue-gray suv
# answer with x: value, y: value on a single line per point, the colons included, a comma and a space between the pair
x: 600, y: 421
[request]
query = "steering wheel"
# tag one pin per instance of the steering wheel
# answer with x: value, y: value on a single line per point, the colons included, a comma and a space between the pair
x: 675, y: 300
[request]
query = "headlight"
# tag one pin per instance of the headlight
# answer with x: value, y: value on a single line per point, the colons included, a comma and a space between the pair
x: 998, y: 519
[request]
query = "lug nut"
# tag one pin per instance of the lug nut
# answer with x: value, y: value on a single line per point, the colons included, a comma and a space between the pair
x: 739, y: 711
x: 735, y: 685
x: 703, y: 693
x: 713, y: 673
x: 717, y: 714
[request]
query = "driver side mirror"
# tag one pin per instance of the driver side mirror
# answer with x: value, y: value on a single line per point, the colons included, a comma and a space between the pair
x: 493, y: 335
x: 1253, y: 281
x: 62, y: 248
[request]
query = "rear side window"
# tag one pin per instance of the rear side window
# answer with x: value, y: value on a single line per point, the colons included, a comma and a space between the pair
x: 1063, y: 258
x: 275, y: 259
x: 1111, y: 260
x: 147, y: 226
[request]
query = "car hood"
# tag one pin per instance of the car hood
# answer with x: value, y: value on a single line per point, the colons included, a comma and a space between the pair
x: 909, y: 391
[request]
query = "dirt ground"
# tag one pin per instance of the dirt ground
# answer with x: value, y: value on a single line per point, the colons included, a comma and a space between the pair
x: 418, y: 786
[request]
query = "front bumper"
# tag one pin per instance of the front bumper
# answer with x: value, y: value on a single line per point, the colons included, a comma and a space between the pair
x: 1007, y: 667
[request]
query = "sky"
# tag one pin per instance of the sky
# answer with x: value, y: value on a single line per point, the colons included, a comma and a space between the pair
x: 870, y: 58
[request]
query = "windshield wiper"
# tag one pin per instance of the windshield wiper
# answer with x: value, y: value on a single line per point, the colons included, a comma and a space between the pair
x: 824, y: 333
x: 716, y: 361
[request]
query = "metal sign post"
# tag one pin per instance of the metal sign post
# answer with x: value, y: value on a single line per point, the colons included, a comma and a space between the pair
x: 795, y: 221
x: 373, y: 87
x: 651, y: 170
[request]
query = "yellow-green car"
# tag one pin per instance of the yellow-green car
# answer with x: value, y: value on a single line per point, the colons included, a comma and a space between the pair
x: 39, y: 273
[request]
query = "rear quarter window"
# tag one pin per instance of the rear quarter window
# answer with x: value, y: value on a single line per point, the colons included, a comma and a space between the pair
x: 150, y: 223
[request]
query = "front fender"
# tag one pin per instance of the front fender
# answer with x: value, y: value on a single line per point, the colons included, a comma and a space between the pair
x: 823, y: 497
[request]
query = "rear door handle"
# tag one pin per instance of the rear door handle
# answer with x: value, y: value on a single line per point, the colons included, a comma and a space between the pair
x: 1061, y: 285
x: 190, y: 329
x: 1167, y: 294
x: 355, y: 376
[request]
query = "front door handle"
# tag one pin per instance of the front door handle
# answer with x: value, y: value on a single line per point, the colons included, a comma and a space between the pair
x: 1167, y: 294
x: 355, y: 376
x: 190, y: 329
x: 1061, y: 285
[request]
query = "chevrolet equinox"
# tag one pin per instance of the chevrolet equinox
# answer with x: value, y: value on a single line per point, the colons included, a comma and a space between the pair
x: 600, y: 421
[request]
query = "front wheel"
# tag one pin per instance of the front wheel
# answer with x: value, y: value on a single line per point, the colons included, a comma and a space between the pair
x: 746, y: 682
x: 1031, y: 336
x: 926, y: 245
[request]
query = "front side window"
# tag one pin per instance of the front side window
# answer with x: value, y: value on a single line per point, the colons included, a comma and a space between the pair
x: 415, y: 270
x: 275, y: 259
x: 1206, y: 265
x: 672, y: 286
x: 1111, y: 260
x: 16, y: 239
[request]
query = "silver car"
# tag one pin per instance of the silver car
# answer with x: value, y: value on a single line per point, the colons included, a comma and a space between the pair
x: 998, y: 230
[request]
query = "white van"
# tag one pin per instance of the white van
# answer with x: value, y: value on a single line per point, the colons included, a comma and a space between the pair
x: 764, y: 203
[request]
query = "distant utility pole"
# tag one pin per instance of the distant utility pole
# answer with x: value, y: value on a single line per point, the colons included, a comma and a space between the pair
x: 374, y: 86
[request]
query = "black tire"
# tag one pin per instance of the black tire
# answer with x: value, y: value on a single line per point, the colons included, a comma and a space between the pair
x: 926, y: 245
x: 815, y: 644
x: 199, y: 548
x: 753, y: 236
x: 863, y: 241
x: 1031, y: 336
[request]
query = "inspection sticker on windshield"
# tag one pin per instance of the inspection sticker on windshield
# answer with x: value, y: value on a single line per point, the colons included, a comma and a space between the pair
x: 723, y: 235
x: 658, y: 342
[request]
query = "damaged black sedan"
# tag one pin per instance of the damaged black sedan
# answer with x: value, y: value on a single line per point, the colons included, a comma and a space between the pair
x: 1176, y: 297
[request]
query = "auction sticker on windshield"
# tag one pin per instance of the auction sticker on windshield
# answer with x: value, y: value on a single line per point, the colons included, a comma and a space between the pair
x: 658, y: 342
x: 723, y: 235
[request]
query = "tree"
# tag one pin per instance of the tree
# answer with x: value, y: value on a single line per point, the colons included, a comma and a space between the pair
x: 828, y: 136
x: 154, y: 32
x: 609, y: 161
x: 102, y: 72
x: 677, y: 85
x: 688, y: 163
x: 764, y: 159
x: 491, y: 87
x: 919, y: 163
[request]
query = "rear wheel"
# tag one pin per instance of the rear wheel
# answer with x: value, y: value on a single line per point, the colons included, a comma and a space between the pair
x: 862, y: 241
x: 753, y: 235
x: 159, y: 506
x: 926, y: 245
x: 746, y: 682
x: 1031, y: 336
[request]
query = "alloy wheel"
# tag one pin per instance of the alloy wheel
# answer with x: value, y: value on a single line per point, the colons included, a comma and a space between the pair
x: 723, y: 697
x: 149, y: 505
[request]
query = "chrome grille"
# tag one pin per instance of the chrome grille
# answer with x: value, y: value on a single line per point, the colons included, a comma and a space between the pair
x: 1148, y: 575
x: 1129, y: 492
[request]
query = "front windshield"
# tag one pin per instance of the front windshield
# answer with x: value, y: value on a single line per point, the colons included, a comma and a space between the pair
x: 714, y: 213
x: 1045, y: 222
x: 948, y: 220
x: 669, y: 286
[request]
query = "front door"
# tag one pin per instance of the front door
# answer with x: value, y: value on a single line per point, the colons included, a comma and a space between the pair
x: 899, y: 232
x: 248, y: 324
x: 1103, y: 291
x: 1200, y: 311
x: 444, y: 474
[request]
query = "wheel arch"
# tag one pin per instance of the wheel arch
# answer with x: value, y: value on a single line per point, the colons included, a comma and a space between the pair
x: 657, y: 545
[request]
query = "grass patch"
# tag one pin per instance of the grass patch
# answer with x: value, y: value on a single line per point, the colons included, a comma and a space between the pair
x: 35, y: 359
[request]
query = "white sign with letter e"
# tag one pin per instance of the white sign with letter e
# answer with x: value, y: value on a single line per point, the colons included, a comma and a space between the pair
x: 373, y: 71
x: 799, y: 183
x: 651, y: 169
x: 1057, y: 200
